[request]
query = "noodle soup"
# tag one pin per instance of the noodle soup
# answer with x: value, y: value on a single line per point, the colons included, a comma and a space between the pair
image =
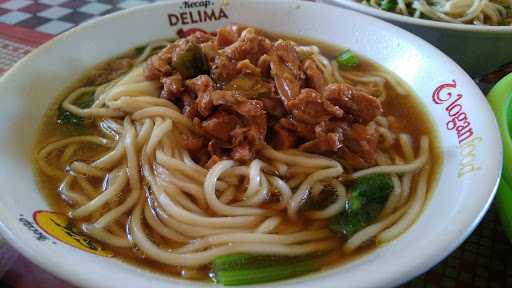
x: 237, y: 156
x: 476, y: 12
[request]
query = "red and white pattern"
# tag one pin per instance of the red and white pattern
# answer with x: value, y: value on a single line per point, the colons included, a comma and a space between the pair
x: 26, y: 24
x: 56, y: 16
x: 10, y: 53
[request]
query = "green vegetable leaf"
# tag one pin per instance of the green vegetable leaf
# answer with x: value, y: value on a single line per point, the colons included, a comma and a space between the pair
x: 191, y: 62
x: 65, y: 117
x: 370, y: 189
x: 139, y: 50
x: 368, y: 196
x: 388, y: 5
x: 347, y: 225
x: 424, y: 16
x: 346, y: 59
x: 241, y: 269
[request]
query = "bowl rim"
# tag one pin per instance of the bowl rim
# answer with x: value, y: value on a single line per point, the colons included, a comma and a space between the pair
x: 389, y: 16
x: 428, y: 260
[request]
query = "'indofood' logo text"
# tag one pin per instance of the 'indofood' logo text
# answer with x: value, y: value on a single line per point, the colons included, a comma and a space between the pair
x: 459, y: 123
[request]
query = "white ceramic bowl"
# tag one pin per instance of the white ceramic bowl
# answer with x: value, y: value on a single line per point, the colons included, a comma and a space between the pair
x: 458, y: 202
x: 477, y: 49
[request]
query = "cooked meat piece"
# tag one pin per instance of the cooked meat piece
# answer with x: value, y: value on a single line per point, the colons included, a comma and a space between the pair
x: 189, y: 106
x: 196, y: 146
x: 210, y: 50
x: 192, y: 142
x: 220, y: 125
x: 214, y: 148
x: 253, y: 125
x: 355, y: 162
x: 245, y: 142
x: 183, y: 54
x: 227, y: 84
x: 226, y: 36
x: 311, y: 107
x: 359, y: 141
x: 306, y: 131
x: 283, y: 138
x: 159, y: 65
x: 358, y: 145
x: 250, y: 46
x: 243, y: 153
x: 315, y: 78
x: 285, y: 69
x: 198, y: 37
x: 236, y: 102
x: 224, y: 69
x: 246, y: 67
x: 202, y: 86
x: 253, y: 131
x: 238, y: 126
x: 250, y: 86
x: 274, y: 107
x: 287, y: 52
x: 173, y: 86
x: 354, y: 143
x: 362, y: 107
x: 329, y: 142
x: 238, y: 29
x: 264, y: 65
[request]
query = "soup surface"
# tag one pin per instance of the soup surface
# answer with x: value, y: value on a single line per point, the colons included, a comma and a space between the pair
x: 237, y: 156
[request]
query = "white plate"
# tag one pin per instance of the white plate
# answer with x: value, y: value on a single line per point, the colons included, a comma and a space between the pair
x: 457, y: 204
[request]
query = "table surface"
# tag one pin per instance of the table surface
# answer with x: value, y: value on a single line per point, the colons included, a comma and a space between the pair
x: 483, y: 260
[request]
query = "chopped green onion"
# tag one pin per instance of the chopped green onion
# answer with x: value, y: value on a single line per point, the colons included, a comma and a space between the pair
x: 388, y: 5
x: 65, y: 117
x: 425, y: 16
x: 139, y: 50
x: 251, y: 269
x: 346, y: 59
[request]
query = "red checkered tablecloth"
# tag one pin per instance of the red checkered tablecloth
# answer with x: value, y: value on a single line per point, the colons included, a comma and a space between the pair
x: 483, y: 260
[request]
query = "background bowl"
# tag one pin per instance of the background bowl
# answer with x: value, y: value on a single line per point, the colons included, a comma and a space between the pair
x: 477, y: 49
x: 500, y: 98
x: 460, y: 198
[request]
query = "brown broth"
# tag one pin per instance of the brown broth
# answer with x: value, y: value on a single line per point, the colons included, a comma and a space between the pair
x: 413, y: 118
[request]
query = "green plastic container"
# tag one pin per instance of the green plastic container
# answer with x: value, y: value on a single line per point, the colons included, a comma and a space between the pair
x: 500, y: 98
